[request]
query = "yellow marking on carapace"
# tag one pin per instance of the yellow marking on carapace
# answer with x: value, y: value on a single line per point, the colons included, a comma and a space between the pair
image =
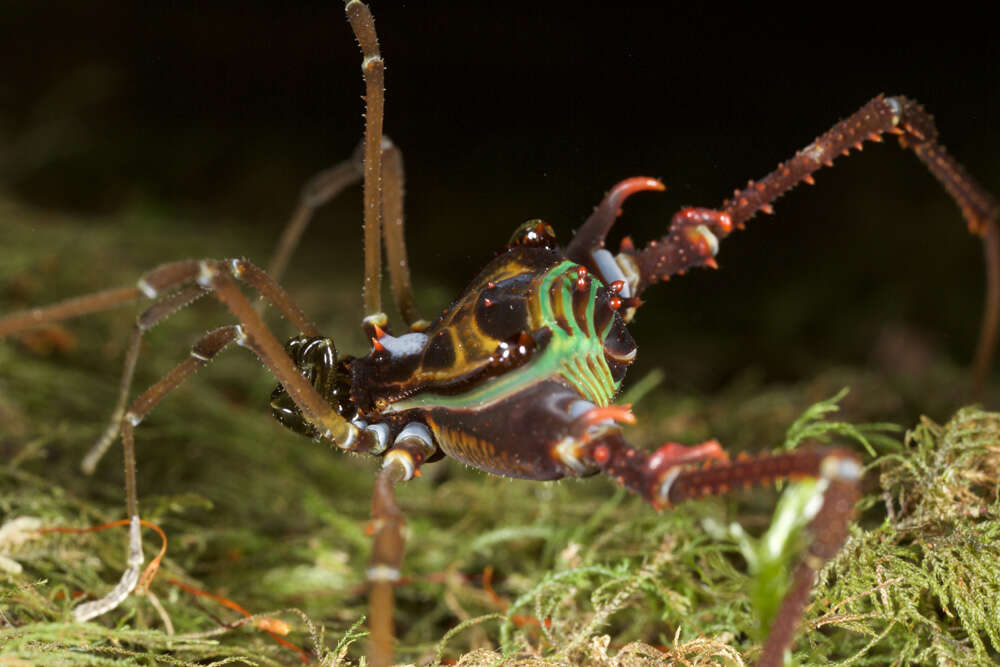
x: 578, y: 356
x: 475, y: 451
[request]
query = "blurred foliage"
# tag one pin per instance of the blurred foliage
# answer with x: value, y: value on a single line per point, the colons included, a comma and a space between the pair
x: 497, y: 571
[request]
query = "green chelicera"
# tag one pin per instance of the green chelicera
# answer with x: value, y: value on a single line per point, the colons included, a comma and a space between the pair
x: 518, y: 376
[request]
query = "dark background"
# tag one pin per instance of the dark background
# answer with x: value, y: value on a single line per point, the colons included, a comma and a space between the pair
x: 512, y: 111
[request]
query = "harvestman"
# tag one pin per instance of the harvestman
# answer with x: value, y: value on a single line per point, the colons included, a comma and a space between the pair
x: 527, y: 395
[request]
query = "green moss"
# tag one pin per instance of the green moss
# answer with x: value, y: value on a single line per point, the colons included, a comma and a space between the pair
x: 583, y: 573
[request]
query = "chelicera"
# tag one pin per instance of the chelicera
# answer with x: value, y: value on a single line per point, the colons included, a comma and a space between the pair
x: 518, y: 376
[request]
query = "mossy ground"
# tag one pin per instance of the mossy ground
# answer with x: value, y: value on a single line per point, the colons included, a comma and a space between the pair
x: 277, y: 523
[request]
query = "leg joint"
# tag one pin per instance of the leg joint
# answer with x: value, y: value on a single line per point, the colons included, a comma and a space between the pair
x: 207, y: 271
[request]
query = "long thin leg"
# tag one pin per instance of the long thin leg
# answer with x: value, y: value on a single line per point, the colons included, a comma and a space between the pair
x: 382, y: 170
x: 147, y: 320
x: 401, y: 463
x: 251, y: 333
x: 150, y: 285
x: 64, y: 310
x: 162, y: 282
x: 179, y: 280
x: 320, y: 189
x: 990, y: 327
x: 395, y: 242
x: 214, y: 276
x: 373, y: 69
x: 201, y: 353
x: 328, y: 184
x: 829, y: 531
x: 178, y: 276
x: 667, y: 477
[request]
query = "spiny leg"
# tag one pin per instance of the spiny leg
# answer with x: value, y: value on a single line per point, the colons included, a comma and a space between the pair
x: 666, y: 478
x: 916, y: 130
x: 692, y: 239
x: 896, y: 115
x: 412, y: 447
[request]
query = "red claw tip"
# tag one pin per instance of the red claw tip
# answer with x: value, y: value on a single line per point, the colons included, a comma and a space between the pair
x: 636, y: 184
x: 618, y: 413
x: 711, y: 263
x: 377, y: 346
x: 378, y: 331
